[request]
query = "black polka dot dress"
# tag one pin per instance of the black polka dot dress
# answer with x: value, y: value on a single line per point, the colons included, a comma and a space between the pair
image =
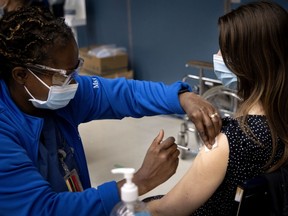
x: 247, y: 156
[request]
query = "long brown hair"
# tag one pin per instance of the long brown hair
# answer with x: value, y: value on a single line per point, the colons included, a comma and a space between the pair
x: 254, y: 44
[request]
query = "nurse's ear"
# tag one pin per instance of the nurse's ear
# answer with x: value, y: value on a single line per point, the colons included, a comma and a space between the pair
x: 20, y: 75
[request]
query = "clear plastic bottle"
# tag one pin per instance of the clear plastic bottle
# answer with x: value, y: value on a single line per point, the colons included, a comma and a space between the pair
x: 130, y: 204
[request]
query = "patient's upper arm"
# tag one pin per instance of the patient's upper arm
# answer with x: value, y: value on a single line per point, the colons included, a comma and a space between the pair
x: 198, y: 184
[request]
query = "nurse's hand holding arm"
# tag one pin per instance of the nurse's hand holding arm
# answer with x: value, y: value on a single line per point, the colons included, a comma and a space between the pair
x: 204, y: 116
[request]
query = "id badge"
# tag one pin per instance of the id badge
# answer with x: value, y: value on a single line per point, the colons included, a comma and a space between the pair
x: 73, y: 182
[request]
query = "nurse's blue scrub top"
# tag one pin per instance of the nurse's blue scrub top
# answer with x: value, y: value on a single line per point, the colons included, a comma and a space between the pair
x: 49, y: 163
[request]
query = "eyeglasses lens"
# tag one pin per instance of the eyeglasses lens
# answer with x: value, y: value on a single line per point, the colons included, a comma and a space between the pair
x: 59, y: 79
x: 58, y: 76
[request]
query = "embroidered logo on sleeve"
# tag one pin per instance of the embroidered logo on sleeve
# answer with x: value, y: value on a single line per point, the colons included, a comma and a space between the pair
x: 95, y: 83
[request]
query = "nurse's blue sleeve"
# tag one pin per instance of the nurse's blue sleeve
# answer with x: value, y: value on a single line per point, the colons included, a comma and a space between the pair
x: 23, y: 191
x: 100, y: 98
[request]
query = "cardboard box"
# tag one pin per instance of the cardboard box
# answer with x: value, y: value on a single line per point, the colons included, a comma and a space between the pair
x: 101, y: 66
x: 127, y: 74
x: 86, y: 71
x: 124, y: 73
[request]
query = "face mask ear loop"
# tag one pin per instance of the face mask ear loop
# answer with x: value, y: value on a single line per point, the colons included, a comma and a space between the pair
x: 38, y: 78
x: 68, y: 80
x: 29, y: 92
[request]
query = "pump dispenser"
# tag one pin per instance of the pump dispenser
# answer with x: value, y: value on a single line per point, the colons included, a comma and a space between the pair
x: 130, y: 204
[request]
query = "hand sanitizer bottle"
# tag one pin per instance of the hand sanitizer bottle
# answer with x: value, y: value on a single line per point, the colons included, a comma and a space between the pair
x: 130, y: 204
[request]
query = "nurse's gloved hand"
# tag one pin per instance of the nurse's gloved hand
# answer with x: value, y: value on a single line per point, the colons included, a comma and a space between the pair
x: 205, y: 117
x: 160, y: 163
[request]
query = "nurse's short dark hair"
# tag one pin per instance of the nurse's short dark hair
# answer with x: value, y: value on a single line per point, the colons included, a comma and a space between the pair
x: 27, y: 34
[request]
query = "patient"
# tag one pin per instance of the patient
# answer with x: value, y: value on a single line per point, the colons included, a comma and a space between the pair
x: 253, y: 43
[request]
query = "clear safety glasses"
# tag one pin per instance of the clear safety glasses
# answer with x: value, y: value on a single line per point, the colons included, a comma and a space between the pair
x: 59, y: 76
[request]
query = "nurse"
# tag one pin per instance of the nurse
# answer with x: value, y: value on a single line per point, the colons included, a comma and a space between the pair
x: 43, y: 99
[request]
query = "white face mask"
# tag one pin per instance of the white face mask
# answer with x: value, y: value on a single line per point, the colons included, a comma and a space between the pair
x: 58, y: 97
x: 227, y: 77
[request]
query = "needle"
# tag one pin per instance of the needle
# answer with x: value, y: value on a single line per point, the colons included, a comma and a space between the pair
x: 183, y: 147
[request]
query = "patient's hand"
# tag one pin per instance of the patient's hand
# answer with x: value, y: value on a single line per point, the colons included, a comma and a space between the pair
x: 160, y: 163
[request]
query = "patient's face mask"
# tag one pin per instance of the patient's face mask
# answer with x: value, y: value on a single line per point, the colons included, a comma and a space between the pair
x: 227, y: 77
x: 58, y: 96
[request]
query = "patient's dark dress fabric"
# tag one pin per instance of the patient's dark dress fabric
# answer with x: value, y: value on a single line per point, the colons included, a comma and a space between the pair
x: 246, y: 160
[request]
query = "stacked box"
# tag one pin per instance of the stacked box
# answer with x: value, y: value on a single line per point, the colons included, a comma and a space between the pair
x: 107, y: 66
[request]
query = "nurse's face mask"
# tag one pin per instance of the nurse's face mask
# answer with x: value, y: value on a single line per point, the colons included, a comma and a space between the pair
x: 61, y: 91
x: 227, y: 77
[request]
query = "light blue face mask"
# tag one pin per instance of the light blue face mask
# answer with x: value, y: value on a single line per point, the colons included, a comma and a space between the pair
x: 227, y: 77
x: 58, y: 97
